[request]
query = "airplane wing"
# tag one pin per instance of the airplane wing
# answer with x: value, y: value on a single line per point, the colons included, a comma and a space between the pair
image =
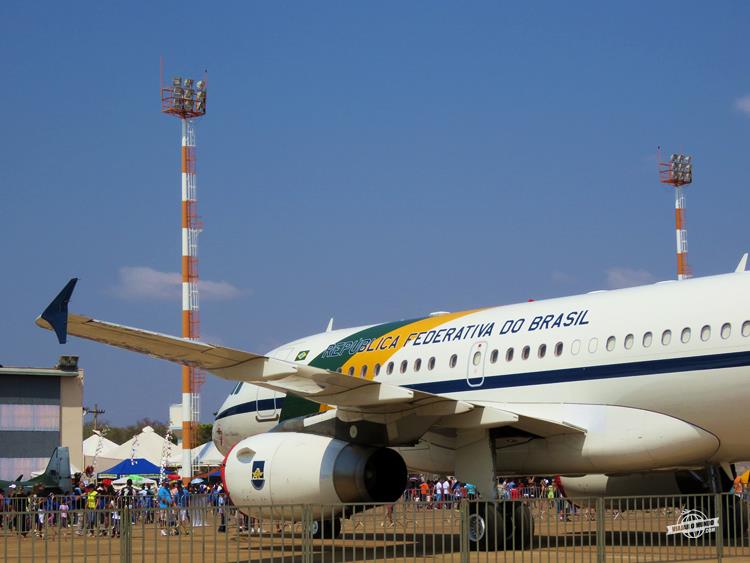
x: 407, y: 411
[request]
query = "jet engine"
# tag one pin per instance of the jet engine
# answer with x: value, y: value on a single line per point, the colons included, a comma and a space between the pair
x: 285, y: 468
x: 650, y: 483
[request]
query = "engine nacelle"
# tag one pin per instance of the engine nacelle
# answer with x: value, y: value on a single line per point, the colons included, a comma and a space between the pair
x: 650, y: 483
x: 284, y: 468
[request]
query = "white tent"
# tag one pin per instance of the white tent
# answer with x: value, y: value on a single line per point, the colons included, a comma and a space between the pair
x: 207, y: 454
x: 148, y: 445
x: 91, y: 444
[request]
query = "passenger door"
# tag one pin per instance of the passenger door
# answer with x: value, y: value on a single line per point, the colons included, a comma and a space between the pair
x: 475, y: 369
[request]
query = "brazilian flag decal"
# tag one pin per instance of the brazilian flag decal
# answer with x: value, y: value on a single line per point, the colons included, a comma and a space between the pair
x: 301, y: 356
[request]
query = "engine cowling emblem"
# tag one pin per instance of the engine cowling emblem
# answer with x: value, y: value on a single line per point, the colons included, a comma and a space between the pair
x: 258, y: 474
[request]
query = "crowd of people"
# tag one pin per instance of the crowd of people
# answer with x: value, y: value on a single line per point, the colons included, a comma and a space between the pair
x: 439, y: 493
x: 447, y: 492
x: 97, y: 509
x: 443, y: 492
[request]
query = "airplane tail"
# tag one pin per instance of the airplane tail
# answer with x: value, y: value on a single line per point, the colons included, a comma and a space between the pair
x: 57, y: 473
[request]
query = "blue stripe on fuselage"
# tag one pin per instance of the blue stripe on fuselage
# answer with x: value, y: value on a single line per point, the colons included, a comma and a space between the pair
x: 252, y: 406
x: 607, y: 371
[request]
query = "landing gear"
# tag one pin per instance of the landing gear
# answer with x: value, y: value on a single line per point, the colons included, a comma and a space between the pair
x: 733, y: 519
x: 506, y: 525
x: 491, y: 525
x: 327, y: 527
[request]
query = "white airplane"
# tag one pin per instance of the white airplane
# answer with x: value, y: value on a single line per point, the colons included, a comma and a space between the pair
x: 631, y: 391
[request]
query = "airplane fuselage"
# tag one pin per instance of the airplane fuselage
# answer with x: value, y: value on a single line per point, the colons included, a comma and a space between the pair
x: 655, y: 375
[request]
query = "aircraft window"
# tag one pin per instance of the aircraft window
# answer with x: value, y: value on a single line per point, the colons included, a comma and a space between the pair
x: 525, y: 352
x: 575, y: 347
x: 389, y: 368
x: 611, y: 341
x: 593, y: 345
x: 746, y: 328
x: 377, y: 370
x: 542, y: 350
x: 509, y: 355
x: 726, y: 330
x: 351, y: 370
x: 453, y: 361
x: 705, y: 333
x: 666, y: 337
x: 431, y: 363
x: 493, y: 356
x: 629, y: 339
x: 647, y: 339
x: 558, y: 349
x: 404, y: 364
x: 417, y: 364
x: 363, y: 373
x: 476, y: 358
x: 685, y: 335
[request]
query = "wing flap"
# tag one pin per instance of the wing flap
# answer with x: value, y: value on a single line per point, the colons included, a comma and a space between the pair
x: 485, y: 416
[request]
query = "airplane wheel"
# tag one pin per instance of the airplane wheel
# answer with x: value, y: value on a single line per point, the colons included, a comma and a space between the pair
x: 326, y: 528
x: 481, y: 531
x: 506, y: 525
x: 523, y: 526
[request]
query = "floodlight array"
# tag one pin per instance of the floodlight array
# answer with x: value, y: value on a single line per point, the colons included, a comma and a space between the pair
x: 681, y: 169
x: 188, y: 95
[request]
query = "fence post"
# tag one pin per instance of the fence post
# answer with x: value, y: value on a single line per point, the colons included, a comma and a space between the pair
x: 600, y: 540
x: 307, y: 521
x: 126, y: 545
x: 723, y: 524
x: 463, y: 513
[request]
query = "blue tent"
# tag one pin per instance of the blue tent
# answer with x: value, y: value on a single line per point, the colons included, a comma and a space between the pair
x: 138, y: 466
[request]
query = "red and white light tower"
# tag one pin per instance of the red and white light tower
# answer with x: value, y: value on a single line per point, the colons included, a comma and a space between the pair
x: 678, y: 172
x: 186, y: 99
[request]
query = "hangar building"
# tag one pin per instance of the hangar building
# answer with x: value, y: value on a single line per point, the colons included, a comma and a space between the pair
x: 40, y: 409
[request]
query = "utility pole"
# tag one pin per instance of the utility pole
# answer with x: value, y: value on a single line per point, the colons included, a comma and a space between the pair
x: 95, y: 411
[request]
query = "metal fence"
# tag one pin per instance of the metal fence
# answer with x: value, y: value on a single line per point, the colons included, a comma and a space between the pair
x: 664, y: 528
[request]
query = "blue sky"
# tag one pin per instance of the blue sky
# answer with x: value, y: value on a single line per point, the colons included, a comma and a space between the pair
x: 368, y: 161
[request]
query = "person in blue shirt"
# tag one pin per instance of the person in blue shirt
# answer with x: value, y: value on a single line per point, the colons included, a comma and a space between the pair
x: 147, y: 503
x: 182, y: 500
x: 471, y: 491
x: 165, y: 505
